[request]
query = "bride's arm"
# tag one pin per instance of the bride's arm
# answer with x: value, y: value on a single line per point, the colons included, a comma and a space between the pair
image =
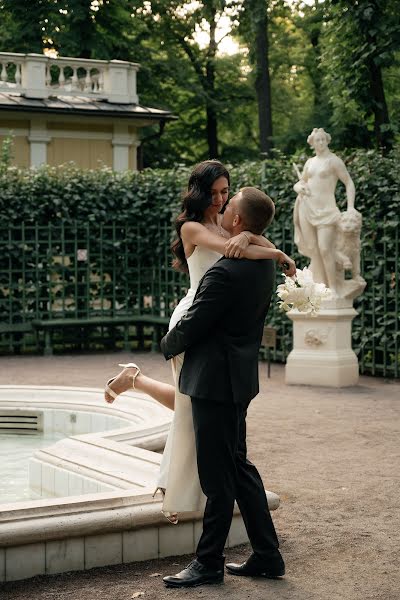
x: 198, y: 235
x: 236, y: 244
x: 260, y: 240
x: 242, y: 240
x: 250, y: 245
x: 261, y: 252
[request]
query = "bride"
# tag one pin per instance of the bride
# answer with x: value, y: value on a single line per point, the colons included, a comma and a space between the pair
x: 200, y: 242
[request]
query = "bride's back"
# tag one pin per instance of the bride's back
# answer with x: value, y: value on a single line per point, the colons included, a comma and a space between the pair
x: 198, y: 262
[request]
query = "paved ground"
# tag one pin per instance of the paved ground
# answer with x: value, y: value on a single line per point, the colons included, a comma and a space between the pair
x: 333, y: 456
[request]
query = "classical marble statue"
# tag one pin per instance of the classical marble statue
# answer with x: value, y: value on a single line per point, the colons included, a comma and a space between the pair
x: 331, y: 239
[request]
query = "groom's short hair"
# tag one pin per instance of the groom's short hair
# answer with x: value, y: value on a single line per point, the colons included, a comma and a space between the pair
x: 256, y: 210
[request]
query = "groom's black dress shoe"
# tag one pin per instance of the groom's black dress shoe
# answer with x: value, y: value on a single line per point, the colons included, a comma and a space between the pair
x: 253, y: 567
x: 195, y: 574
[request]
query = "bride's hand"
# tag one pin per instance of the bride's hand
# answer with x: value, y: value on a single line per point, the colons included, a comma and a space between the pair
x: 287, y: 264
x: 235, y: 245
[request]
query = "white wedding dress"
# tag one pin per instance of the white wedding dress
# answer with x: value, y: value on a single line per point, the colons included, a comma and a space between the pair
x: 178, y: 471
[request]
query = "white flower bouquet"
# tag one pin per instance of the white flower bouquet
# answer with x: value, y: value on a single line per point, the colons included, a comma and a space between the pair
x: 302, y: 293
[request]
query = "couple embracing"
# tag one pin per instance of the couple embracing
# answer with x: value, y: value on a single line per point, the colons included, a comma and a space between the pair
x: 213, y: 340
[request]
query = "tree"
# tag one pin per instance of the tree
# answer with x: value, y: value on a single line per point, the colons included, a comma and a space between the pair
x: 23, y: 25
x: 310, y: 19
x: 256, y: 14
x: 81, y: 28
x: 285, y: 67
x: 254, y: 22
x: 361, y: 39
x: 176, y: 23
x: 293, y: 92
x: 94, y: 29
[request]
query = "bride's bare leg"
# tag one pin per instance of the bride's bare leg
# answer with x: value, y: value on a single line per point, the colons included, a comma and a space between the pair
x: 164, y: 393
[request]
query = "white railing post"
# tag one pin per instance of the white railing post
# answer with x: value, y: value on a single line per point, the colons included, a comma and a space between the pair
x: 120, y: 82
x: 3, y: 74
x: 33, y: 76
x: 133, y: 69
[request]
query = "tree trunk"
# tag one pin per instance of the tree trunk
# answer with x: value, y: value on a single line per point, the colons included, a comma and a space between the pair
x: 212, y: 123
x: 383, y: 137
x: 263, y: 81
x: 212, y: 134
x: 84, y: 26
x: 316, y: 75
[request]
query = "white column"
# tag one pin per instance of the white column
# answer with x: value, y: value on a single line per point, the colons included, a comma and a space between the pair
x: 122, y: 142
x: 34, y: 76
x: 38, y: 140
x: 135, y: 146
x: 121, y: 155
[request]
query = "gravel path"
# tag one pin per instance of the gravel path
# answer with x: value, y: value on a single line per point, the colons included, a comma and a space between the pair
x: 331, y: 455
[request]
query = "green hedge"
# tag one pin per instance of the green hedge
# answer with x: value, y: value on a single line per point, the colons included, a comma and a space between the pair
x: 150, y: 197
x: 69, y: 193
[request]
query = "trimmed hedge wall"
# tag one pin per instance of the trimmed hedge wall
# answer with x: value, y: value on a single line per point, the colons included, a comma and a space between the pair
x: 50, y: 195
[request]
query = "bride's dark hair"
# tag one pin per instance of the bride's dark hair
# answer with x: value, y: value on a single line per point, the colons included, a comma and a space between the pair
x: 196, y: 200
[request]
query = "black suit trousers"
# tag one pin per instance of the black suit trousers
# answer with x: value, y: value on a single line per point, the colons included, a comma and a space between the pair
x: 225, y: 476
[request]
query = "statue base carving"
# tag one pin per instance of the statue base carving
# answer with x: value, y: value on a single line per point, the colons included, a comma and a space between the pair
x: 322, y: 353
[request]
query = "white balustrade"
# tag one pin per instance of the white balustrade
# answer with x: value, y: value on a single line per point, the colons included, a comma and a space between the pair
x: 10, y: 71
x: 39, y: 76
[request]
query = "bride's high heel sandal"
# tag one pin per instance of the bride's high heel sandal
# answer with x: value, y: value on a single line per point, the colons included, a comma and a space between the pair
x: 172, y: 517
x: 126, y: 366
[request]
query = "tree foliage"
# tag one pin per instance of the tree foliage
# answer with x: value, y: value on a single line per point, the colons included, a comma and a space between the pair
x: 254, y: 25
x: 175, y: 23
x: 299, y: 65
x: 81, y: 28
x: 360, y: 41
x: 23, y: 25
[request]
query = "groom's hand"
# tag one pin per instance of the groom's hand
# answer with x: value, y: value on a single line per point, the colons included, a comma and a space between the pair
x: 164, y: 347
x: 213, y: 298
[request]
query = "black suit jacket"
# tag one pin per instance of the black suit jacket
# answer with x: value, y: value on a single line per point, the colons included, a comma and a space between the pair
x: 221, y: 332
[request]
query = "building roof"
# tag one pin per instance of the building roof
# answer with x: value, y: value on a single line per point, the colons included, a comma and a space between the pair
x: 83, y: 106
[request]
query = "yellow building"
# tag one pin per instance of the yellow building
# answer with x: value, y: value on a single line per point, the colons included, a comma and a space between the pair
x: 66, y: 109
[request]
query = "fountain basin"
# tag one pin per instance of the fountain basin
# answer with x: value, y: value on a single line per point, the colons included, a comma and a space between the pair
x: 99, y: 527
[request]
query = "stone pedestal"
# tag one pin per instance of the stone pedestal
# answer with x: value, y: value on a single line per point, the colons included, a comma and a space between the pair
x: 322, y: 353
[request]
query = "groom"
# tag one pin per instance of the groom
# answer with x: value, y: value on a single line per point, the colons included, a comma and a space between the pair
x: 221, y: 336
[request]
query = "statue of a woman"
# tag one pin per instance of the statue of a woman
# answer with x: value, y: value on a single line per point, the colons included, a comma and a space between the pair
x: 316, y: 215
